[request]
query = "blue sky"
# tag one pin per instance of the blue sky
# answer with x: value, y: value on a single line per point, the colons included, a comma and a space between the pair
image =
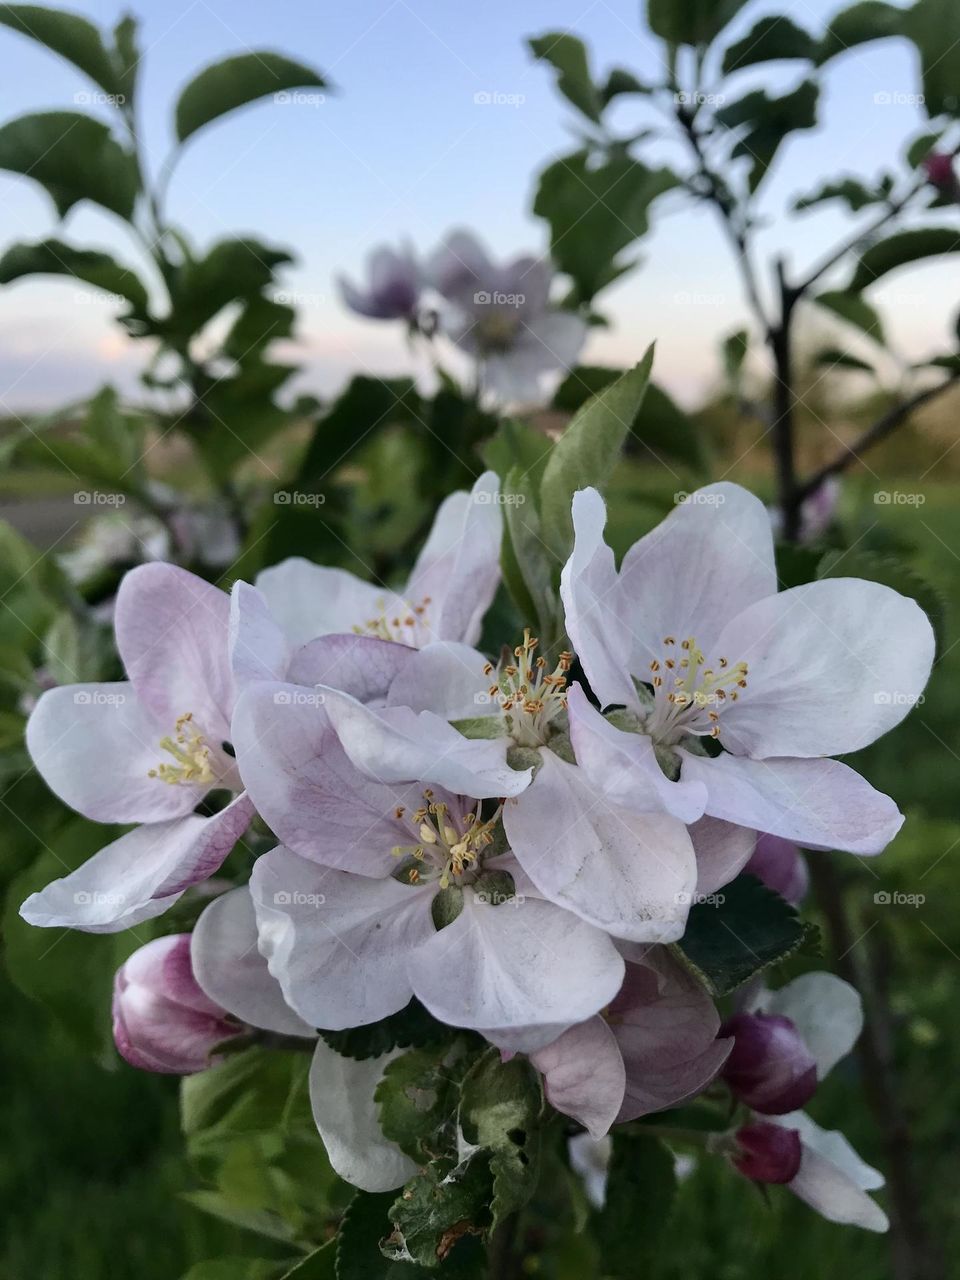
x: 403, y: 149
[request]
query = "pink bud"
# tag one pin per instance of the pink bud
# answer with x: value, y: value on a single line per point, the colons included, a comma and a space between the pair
x: 939, y: 169
x: 780, y: 865
x: 768, y: 1153
x: 162, y: 1021
x: 769, y: 1067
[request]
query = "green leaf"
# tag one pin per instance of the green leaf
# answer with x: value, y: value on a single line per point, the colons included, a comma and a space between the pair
x: 735, y: 349
x: 693, y: 22
x: 853, y: 308
x: 769, y: 121
x: 417, y: 1100
x: 934, y: 27
x: 261, y: 322
x: 595, y: 211
x: 851, y: 191
x: 748, y: 928
x: 72, y: 156
x: 587, y: 452
x: 895, y: 574
x: 900, y: 250
x: 365, y: 1223
x: 53, y: 257
x: 501, y: 1105
x: 619, y: 82
x: 662, y: 430
x: 412, y: 1027
x: 582, y: 382
x: 834, y: 357
x: 127, y: 56
x: 868, y: 20
x: 236, y: 81
x: 529, y: 567
x: 240, y: 1269
x: 920, y: 148
x: 641, y: 1185
x: 320, y: 1265
x: 518, y: 444
x: 231, y: 269
x: 367, y: 404
x: 771, y: 39
x: 568, y: 56
x: 439, y: 1213
x: 67, y: 34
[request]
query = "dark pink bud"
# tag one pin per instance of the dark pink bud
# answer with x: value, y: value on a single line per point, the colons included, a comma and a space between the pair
x: 939, y: 169
x: 769, y: 1067
x: 162, y: 1021
x: 768, y: 1153
x: 780, y: 865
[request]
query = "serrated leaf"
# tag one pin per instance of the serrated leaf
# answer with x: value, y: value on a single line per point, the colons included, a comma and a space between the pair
x: 770, y: 39
x: 587, y: 452
x: 500, y: 1109
x: 891, y: 573
x: 417, y: 1100
x: 853, y: 308
x: 439, y: 1213
x: 74, y: 157
x: 53, y: 257
x: 751, y: 928
x: 412, y: 1027
x: 641, y: 1184
x: 67, y: 34
x: 901, y: 250
x: 236, y: 81
x: 568, y: 56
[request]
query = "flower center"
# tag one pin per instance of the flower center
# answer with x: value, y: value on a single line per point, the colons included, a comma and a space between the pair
x: 402, y: 626
x: 530, y: 696
x: 191, y: 755
x: 689, y: 693
x: 496, y: 332
x: 447, y: 846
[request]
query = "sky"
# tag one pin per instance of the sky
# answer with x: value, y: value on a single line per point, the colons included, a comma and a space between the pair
x: 404, y: 149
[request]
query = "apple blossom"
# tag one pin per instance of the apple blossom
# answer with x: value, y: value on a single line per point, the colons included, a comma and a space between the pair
x: 696, y: 650
x: 767, y: 1153
x: 392, y: 289
x: 769, y: 1068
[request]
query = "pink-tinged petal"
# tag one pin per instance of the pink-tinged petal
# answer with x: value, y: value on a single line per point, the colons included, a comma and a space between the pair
x: 594, y: 608
x: 698, y: 569
x: 362, y: 666
x: 781, y: 867
x: 258, y: 647
x: 306, y: 789
x: 139, y: 875
x: 768, y: 1153
x: 722, y: 849
x: 448, y: 679
x: 172, y: 632
x: 632, y: 875
x: 520, y: 972
x: 458, y: 569
x: 666, y: 1025
x: 459, y: 266
x: 832, y: 666
x: 584, y: 1076
x: 827, y: 1012
x: 770, y: 1068
x: 229, y: 967
x: 344, y: 1107
x: 337, y: 943
x: 95, y: 744
x: 821, y: 804
x: 623, y: 766
x: 557, y: 337
x: 310, y: 600
x: 396, y: 744
x: 832, y: 1178
x: 162, y: 1021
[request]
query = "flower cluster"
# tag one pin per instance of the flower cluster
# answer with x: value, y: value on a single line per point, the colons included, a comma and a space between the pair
x: 512, y: 842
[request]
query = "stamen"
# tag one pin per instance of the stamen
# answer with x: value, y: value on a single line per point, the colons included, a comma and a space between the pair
x: 191, y: 753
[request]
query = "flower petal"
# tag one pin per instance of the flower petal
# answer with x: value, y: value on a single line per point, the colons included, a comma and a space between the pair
x: 827, y: 1012
x: 632, y: 875
x: 95, y: 744
x: 396, y: 744
x: 172, y: 632
x: 345, y: 1110
x: 833, y: 1179
x: 520, y: 972
x: 832, y: 665
x: 448, y: 679
x: 229, y: 967
x: 362, y: 666
x: 584, y: 1075
x: 821, y: 804
x: 310, y: 600
x: 258, y: 647
x: 337, y: 943
x: 305, y: 787
x: 722, y: 850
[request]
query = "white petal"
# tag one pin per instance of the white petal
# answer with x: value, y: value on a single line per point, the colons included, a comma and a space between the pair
x: 342, y: 1097
x: 95, y: 744
x: 623, y: 766
x: 833, y: 1179
x: 520, y: 973
x: 231, y: 970
x: 399, y: 745
x: 558, y: 335
x: 362, y: 666
x: 447, y: 679
x: 310, y: 600
x: 722, y: 850
x: 827, y: 1012
x: 632, y: 875
x: 832, y: 666
x: 258, y: 648
x: 584, y: 1076
x: 820, y: 804
x: 337, y: 943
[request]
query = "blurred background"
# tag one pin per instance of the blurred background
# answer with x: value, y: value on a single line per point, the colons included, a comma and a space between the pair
x: 434, y: 117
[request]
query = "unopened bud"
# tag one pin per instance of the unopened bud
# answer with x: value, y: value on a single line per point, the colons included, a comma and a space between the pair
x: 770, y: 1067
